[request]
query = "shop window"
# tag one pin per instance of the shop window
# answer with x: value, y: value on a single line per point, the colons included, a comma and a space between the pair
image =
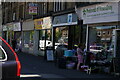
x: 28, y: 39
x: 61, y: 35
x: 45, y: 36
x: 100, y: 41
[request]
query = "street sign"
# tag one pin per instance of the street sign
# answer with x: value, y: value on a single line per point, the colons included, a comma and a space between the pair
x: 69, y: 18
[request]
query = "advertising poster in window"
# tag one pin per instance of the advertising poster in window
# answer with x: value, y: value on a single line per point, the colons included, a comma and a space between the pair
x: 32, y: 9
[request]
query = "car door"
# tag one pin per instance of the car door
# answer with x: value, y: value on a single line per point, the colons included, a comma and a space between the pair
x: 9, y: 65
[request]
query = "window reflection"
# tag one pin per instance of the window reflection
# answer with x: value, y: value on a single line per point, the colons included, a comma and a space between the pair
x: 100, y: 40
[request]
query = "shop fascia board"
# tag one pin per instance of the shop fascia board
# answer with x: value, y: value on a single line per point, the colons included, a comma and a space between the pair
x: 103, y: 24
x: 64, y: 24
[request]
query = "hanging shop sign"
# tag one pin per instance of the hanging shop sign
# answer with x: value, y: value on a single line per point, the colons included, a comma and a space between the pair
x: 10, y: 27
x: 64, y: 20
x: 43, y: 23
x: 69, y: 18
x: 4, y: 27
x: 28, y: 25
x: 38, y: 23
x: 47, y: 22
x: 105, y: 12
x: 17, y: 27
x: 32, y: 9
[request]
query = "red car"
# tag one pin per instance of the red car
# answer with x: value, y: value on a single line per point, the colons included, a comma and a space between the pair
x: 9, y: 62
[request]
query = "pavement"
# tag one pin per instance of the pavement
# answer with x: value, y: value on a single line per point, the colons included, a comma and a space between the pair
x: 37, y: 68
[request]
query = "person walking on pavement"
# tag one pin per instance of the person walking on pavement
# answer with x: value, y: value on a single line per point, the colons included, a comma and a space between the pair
x: 79, y: 55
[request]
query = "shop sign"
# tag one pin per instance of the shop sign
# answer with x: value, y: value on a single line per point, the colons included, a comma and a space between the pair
x: 28, y: 25
x: 4, y: 28
x: 104, y: 12
x: 38, y: 23
x: 69, y: 18
x: 32, y: 8
x: 17, y: 27
x: 10, y: 27
x: 99, y: 10
x: 65, y: 20
x: 47, y: 21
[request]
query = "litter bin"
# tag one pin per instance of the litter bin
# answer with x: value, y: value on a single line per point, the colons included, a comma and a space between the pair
x: 49, y: 53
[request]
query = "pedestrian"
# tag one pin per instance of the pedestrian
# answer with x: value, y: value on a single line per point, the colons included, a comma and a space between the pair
x: 80, y: 55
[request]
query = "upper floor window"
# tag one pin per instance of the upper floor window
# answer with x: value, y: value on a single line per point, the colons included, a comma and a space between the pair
x: 59, y: 6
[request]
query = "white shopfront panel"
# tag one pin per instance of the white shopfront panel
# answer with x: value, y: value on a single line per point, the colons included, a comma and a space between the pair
x: 28, y: 25
x: 17, y: 27
x: 99, y: 13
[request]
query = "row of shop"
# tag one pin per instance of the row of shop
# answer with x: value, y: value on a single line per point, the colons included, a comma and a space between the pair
x: 91, y: 24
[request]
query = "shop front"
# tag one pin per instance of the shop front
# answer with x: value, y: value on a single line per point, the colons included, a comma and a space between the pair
x: 9, y: 33
x: 28, y: 36
x: 4, y: 34
x: 66, y: 36
x: 17, y: 34
x: 102, y: 21
x: 43, y: 32
x: 66, y: 30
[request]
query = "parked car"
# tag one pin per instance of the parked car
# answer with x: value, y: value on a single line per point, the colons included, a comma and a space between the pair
x: 9, y: 62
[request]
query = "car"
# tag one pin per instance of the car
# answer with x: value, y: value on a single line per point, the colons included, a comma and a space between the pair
x: 9, y: 62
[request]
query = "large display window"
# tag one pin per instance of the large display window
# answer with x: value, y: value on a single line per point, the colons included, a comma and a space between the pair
x: 61, y: 35
x: 45, y: 39
x: 28, y: 39
x: 67, y: 35
x: 100, y: 41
